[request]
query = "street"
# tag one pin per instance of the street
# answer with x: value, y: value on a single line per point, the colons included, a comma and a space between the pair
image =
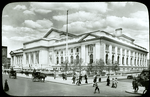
x: 25, y: 87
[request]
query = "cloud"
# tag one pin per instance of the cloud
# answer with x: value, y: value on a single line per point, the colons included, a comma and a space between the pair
x: 28, y: 12
x: 78, y: 16
x: 118, y: 4
x: 45, y: 23
x: 129, y: 23
x: 31, y: 24
x: 142, y: 15
x: 20, y: 7
x: 48, y: 7
x: 38, y: 24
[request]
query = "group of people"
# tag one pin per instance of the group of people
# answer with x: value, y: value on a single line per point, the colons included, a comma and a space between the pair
x: 114, y: 82
x: 78, y: 78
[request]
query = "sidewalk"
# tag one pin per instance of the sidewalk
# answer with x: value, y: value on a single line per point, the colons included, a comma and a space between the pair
x: 140, y: 91
x: 69, y: 79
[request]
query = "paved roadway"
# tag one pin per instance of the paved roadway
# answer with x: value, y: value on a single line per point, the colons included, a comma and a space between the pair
x: 25, y: 87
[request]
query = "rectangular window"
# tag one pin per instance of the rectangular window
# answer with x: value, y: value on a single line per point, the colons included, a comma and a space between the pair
x: 71, y: 50
x: 107, y: 47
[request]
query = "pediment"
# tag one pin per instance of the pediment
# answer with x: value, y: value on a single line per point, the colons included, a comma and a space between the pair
x: 54, y: 33
x: 88, y: 37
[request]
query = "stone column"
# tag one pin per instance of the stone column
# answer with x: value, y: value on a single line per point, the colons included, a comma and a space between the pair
x: 120, y: 57
x: 125, y: 56
x: 94, y: 53
x: 59, y: 56
x: 83, y: 52
x: 116, y: 53
x: 97, y: 50
x: 86, y: 54
x: 139, y: 60
x: 29, y: 58
x: 129, y: 58
x: 110, y: 52
x: 14, y: 61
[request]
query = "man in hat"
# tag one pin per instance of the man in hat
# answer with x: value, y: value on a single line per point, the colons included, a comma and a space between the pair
x: 6, y: 87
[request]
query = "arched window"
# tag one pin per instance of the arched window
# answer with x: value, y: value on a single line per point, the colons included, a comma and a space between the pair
x: 91, y: 58
x: 127, y: 61
x: 77, y: 58
x: 131, y: 61
x: 135, y: 62
x: 123, y: 60
x: 61, y: 60
x: 106, y: 58
x: 112, y: 59
x: 77, y: 49
x: 57, y: 60
x: 71, y: 59
x: 118, y: 59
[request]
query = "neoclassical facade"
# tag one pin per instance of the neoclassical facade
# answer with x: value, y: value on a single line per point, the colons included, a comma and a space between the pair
x: 50, y: 50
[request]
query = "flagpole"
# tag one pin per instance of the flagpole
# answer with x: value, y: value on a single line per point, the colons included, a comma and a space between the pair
x: 67, y: 40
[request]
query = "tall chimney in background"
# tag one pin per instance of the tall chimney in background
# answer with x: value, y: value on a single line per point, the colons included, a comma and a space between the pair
x: 118, y: 32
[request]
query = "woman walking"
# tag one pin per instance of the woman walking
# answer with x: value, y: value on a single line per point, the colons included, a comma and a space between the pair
x: 108, y: 81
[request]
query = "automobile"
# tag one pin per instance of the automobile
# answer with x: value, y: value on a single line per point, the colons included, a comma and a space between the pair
x: 129, y: 76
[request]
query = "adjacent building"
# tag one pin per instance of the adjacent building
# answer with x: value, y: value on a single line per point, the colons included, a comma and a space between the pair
x: 50, y: 50
x: 5, y: 60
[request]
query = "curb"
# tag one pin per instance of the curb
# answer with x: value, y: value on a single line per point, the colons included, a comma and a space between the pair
x: 132, y: 92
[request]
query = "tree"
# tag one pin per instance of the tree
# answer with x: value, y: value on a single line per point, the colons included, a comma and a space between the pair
x: 65, y: 65
x: 80, y: 63
x: 77, y: 64
x: 109, y: 65
x: 115, y: 67
x: 100, y: 65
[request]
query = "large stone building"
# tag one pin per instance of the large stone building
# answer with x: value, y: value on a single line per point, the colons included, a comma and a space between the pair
x: 50, y: 50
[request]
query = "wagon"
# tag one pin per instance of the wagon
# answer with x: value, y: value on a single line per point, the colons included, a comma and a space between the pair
x: 38, y: 76
x: 13, y: 74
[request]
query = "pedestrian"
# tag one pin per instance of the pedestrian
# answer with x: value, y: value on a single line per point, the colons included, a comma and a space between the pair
x: 135, y: 85
x: 116, y: 81
x: 113, y: 83
x: 73, y: 78
x: 80, y: 79
x: 99, y: 79
x: 63, y: 76
x: 6, y: 87
x: 54, y: 75
x: 108, y: 81
x: 86, y: 78
x: 96, y: 87
x: 94, y: 81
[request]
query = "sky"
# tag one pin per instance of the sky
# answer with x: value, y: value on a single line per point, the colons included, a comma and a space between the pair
x: 25, y: 21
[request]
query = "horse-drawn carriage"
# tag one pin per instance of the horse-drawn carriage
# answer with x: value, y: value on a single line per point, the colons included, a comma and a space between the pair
x: 143, y: 79
x: 38, y: 76
x: 12, y: 74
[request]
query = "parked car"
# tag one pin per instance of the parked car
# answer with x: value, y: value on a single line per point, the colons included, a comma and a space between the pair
x: 130, y: 77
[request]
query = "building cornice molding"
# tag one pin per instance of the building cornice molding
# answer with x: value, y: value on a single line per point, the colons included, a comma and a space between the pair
x: 112, y: 40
